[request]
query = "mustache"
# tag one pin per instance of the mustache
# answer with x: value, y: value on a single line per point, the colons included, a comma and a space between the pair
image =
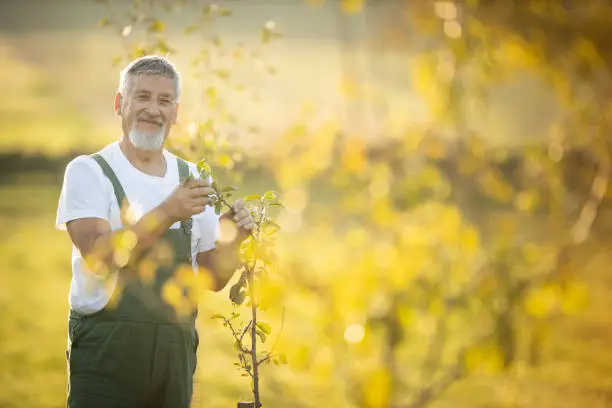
x: 155, y: 121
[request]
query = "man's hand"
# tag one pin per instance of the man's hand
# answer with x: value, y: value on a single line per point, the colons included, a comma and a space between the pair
x: 187, y: 199
x: 224, y: 259
x: 241, y: 218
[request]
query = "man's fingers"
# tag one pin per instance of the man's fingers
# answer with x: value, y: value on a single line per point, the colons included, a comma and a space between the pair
x: 241, y: 215
x: 199, y: 208
x: 189, y: 182
x: 249, y: 225
x: 238, y: 205
x: 200, y: 191
x: 246, y: 224
x: 196, y: 183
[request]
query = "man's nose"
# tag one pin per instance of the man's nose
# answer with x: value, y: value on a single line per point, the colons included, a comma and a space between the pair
x: 153, y: 108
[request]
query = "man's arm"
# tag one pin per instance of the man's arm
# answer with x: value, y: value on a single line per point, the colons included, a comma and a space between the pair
x: 96, y: 242
x: 222, y: 262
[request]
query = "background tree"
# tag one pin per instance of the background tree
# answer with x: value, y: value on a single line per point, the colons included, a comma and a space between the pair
x: 428, y: 254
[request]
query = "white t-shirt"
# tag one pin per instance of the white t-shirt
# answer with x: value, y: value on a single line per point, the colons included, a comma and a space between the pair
x: 87, y: 192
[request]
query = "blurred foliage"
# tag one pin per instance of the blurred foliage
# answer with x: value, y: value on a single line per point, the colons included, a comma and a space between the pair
x: 423, y: 232
x: 427, y: 264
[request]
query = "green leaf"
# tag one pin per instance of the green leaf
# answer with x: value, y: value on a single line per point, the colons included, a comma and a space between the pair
x: 276, y: 204
x: 157, y: 26
x: 116, y: 61
x: 262, y: 336
x: 264, y: 327
x: 270, y: 196
x: 237, y: 294
x: 163, y: 47
x: 222, y: 73
x: 252, y: 197
x: 218, y: 207
x: 204, y: 169
x: 272, y: 227
x: 103, y: 22
x: 228, y: 188
x: 217, y: 316
x: 190, y: 29
x: 265, y: 35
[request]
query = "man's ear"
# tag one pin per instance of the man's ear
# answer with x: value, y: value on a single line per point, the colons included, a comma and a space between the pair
x: 117, y: 103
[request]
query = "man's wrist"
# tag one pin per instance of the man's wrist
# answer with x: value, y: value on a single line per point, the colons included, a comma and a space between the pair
x: 164, y: 214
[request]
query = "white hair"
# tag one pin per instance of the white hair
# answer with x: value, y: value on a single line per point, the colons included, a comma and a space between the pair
x: 152, y: 65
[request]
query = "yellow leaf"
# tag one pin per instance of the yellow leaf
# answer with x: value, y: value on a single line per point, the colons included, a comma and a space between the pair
x: 434, y: 148
x: 526, y: 201
x: 121, y: 257
x: 211, y: 94
x: 587, y: 50
x: 353, y: 158
x: 146, y: 271
x: 487, y: 359
x: 352, y: 6
x: 376, y: 392
x: 103, y: 22
x: 471, y: 241
x: 542, y: 301
x: 575, y: 298
x: 225, y: 160
x: 171, y: 293
x: 157, y: 26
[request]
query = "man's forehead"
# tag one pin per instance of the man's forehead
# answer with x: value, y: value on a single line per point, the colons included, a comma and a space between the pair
x: 152, y: 83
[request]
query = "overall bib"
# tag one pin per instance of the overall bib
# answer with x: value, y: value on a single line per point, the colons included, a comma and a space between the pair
x: 138, y: 351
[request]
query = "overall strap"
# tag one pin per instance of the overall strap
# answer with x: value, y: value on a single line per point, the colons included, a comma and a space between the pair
x: 183, y: 170
x: 110, y: 174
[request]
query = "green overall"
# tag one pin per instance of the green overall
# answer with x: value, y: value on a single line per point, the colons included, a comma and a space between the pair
x: 138, y: 351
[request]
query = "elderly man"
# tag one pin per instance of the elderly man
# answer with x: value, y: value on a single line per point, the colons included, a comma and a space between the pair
x: 138, y: 222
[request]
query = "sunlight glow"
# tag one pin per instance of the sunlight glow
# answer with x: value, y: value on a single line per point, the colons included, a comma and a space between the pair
x: 354, y: 333
x: 452, y: 29
x: 446, y: 10
x: 295, y: 200
x: 228, y: 231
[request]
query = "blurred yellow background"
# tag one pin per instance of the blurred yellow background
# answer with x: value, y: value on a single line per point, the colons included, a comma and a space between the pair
x: 58, y: 82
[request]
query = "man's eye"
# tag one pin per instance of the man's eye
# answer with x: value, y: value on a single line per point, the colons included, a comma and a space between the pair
x: 142, y: 97
x: 166, y: 102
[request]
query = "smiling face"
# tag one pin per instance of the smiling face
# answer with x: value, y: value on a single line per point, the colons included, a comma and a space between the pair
x: 148, y: 110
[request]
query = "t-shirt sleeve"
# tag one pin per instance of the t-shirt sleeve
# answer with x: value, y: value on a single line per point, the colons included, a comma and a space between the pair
x: 83, y: 193
x: 207, y: 230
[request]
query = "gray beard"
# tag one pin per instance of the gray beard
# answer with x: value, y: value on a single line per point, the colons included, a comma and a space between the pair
x: 147, y: 141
